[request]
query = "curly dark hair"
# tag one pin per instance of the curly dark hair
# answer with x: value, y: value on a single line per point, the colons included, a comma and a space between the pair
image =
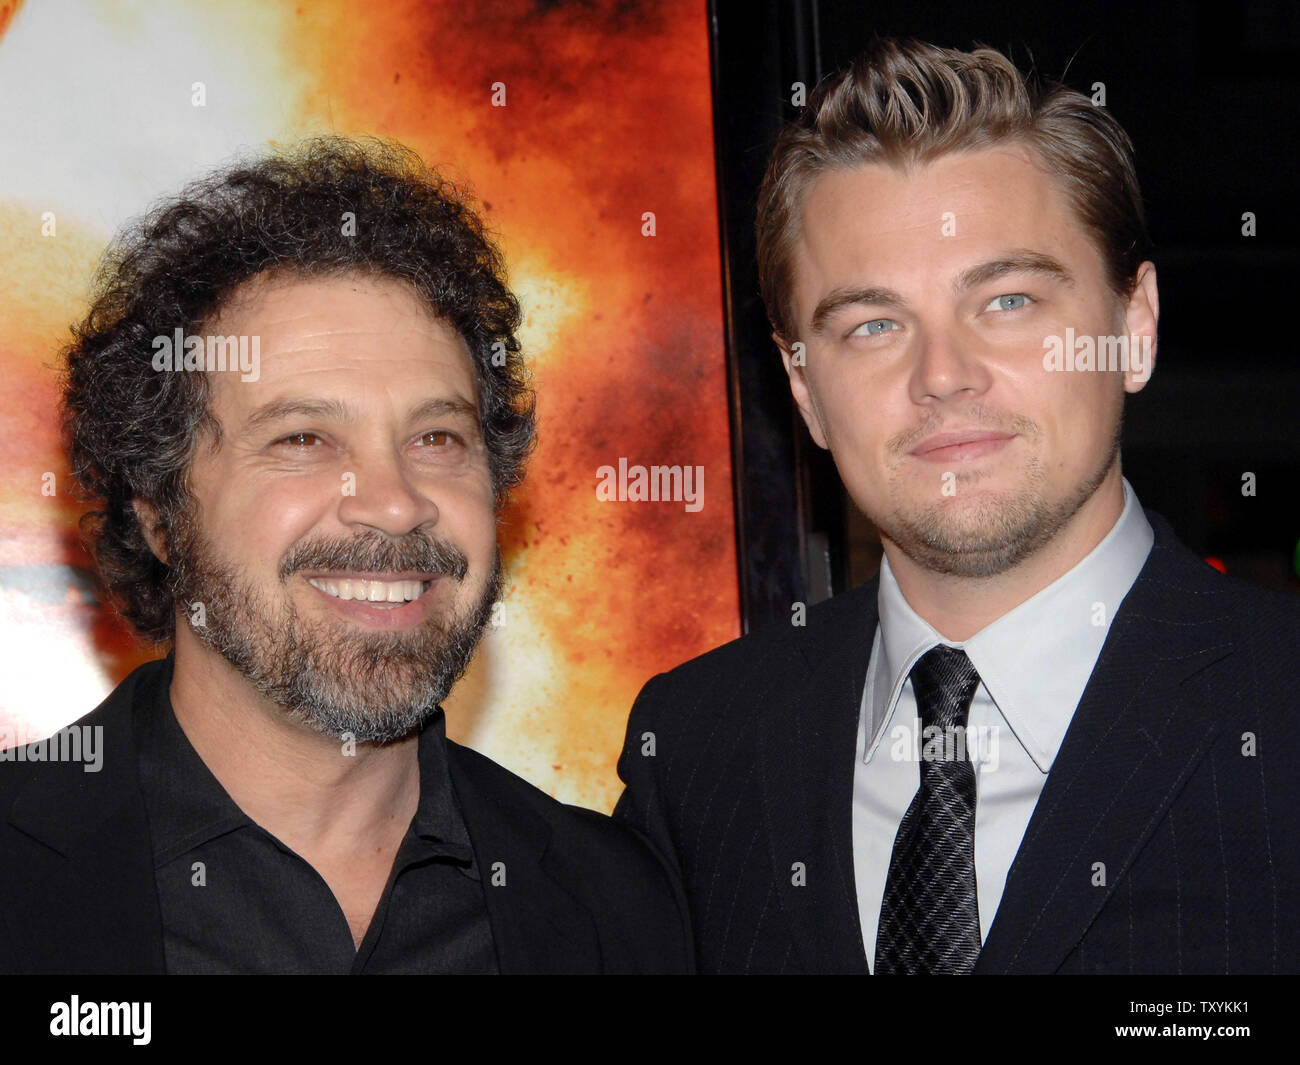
x: 131, y: 432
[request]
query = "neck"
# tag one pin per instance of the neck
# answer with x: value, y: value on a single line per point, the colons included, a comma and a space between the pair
x: 301, y: 786
x: 959, y: 607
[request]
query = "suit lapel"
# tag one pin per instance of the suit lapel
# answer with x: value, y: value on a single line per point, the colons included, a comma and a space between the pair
x: 537, y: 926
x: 807, y: 739
x: 1146, y: 718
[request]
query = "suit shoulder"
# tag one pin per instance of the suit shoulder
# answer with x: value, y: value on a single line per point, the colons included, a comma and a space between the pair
x: 1266, y: 608
x: 575, y: 827
x: 15, y: 771
x: 1195, y: 583
x: 20, y: 762
x: 768, y: 650
x: 610, y: 866
x: 1266, y: 614
x: 1260, y: 625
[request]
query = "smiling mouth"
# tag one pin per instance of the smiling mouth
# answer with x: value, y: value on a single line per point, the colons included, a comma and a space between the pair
x: 961, y: 446
x: 371, y: 591
x: 946, y: 441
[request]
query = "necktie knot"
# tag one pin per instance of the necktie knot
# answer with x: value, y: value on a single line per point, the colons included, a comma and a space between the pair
x: 944, y: 683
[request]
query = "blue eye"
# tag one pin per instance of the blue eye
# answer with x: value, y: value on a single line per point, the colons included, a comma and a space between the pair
x: 875, y: 327
x: 1011, y: 302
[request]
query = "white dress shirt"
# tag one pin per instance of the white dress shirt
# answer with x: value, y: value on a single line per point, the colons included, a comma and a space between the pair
x: 1034, y: 663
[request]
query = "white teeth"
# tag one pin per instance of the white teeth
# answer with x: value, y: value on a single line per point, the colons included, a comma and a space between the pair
x: 369, y: 591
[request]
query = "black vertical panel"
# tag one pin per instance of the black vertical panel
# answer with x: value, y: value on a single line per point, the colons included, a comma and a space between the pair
x: 784, y: 487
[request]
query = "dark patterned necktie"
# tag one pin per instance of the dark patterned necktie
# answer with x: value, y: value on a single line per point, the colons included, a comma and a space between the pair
x: 929, y: 918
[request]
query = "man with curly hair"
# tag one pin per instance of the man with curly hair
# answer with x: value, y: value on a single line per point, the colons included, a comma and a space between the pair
x: 313, y: 537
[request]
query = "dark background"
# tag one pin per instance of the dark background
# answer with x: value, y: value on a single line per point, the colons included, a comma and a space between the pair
x: 1211, y: 98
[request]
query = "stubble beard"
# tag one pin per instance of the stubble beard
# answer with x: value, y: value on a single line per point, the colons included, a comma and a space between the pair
x: 378, y: 687
x: 995, y: 532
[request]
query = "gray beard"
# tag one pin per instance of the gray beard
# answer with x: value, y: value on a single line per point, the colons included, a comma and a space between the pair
x: 999, y: 534
x: 379, y: 687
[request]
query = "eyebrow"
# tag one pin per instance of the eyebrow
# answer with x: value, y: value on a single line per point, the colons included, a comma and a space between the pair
x: 1016, y: 262
x: 836, y: 301
x: 333, y: 410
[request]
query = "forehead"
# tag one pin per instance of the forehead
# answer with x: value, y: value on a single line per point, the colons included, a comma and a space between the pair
x: 350, y: 333
x: 935, y: 217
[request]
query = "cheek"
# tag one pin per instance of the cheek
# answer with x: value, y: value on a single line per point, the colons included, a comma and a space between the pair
x: 834, y: 396
x: 466, y: 514
x: 859, y: 418
x: 1088, y: 401
x: 1077, y: 417
x: 282, y: 503
x: 258, y: 518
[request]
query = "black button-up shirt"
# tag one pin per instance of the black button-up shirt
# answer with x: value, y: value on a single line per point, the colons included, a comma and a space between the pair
x: 235, y: 899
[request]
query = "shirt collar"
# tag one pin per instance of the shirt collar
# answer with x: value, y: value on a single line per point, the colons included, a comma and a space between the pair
x: 1035, y: 660
x: 438, y: 817
x: 187, y: 805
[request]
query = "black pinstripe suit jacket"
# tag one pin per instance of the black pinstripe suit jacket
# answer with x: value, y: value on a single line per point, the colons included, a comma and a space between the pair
x: 1166, y: 838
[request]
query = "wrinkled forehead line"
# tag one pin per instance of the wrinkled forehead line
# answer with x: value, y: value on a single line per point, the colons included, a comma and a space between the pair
x: 249, y: 295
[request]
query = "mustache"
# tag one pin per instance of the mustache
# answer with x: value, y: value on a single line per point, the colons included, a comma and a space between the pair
x: 902, y: 443
x: 375, y: 553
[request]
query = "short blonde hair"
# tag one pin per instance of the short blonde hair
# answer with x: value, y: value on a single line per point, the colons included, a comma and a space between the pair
x: 905, y: 102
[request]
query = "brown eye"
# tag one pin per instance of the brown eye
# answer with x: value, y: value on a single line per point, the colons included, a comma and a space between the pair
x: 297, y: 439
x: 438, y: 438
